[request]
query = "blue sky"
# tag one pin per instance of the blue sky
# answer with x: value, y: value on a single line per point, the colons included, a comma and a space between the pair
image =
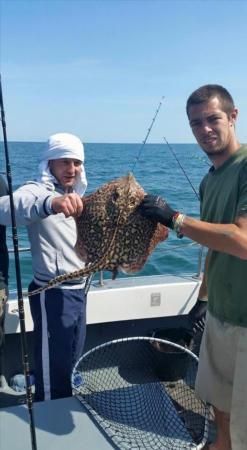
x: 99, y: 68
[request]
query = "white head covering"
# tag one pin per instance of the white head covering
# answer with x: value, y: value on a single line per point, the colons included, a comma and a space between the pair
x: 63, y: 145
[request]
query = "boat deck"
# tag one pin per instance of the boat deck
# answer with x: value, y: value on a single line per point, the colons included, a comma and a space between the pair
x: 60, y: 425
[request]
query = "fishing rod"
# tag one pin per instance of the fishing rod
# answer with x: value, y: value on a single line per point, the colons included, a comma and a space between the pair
x: 89, y: 278
x: 148, y: 132
x: 25, y: 358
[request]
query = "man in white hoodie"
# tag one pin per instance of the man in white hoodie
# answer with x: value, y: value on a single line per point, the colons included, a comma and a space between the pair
x: 47, y: 207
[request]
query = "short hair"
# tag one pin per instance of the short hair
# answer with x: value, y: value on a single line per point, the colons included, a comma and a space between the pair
x: 209, y: 91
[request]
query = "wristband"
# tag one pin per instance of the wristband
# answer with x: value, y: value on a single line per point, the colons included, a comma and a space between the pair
x: 47, y: 205
x: 177, y: 222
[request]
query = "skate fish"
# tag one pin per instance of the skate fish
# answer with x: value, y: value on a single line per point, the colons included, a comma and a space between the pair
x: 112, y: 234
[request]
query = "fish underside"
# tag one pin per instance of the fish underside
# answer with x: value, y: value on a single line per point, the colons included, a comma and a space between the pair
x: 112, y: 234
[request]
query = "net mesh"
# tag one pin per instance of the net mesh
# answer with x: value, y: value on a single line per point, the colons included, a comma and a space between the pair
x: 141, y: 392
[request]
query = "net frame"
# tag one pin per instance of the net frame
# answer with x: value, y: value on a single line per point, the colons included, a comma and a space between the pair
x: 136, y: 405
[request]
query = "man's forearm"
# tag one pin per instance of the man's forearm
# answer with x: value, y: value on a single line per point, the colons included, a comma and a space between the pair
x: 226, y: 238
x: 29, y: 207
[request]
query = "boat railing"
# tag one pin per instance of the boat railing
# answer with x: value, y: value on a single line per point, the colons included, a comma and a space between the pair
x: 172, y: 247
x: 20, y: 249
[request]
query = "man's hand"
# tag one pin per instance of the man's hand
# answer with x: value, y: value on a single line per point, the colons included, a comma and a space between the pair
x: 197, y: 315
x: 69, y: 204
x: 156, y: 208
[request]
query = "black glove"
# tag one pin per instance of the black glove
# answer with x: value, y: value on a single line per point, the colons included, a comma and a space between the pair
x: 197, y: 315
x: 156, y: 208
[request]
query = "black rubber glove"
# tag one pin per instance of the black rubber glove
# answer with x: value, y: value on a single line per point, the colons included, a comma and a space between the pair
x: 156, y: 208
x: 197, y: 315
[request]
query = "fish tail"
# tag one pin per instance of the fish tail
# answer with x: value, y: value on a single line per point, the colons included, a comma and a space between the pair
x: 60, y: 279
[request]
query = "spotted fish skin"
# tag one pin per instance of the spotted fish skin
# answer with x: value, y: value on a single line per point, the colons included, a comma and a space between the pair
x: 112, y: 233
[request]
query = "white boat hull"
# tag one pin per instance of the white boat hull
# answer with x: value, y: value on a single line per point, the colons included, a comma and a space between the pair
x: 132, y: 298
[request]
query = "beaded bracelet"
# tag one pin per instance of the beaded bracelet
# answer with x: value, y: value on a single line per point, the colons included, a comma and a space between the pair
x: 177, y: 221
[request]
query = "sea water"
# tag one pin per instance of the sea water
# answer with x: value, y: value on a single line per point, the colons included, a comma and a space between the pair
x: 155, y: 168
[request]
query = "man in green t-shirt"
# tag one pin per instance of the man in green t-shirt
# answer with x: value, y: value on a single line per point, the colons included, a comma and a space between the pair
x: 4, y: 265
x: 222, y: 371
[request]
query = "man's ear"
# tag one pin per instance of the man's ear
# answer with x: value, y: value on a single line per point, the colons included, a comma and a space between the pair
x: 233, y: 116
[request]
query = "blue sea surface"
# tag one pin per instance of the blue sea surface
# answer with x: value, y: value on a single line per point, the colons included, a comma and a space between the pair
x: 155, y: 168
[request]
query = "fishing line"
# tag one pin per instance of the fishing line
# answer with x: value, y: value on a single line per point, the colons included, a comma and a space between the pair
x: 148, y: 132
x: 181, y: 167
x: 198, y: 275
x: 25, y: 358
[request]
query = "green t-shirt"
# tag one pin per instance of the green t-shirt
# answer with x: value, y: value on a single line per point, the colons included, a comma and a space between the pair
x: 224, y: 197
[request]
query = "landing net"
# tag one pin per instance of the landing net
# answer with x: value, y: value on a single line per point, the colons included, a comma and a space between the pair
x: 141, y: 393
